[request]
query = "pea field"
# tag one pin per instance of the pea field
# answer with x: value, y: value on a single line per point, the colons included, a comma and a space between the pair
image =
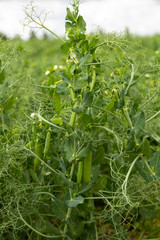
x: 79, y: 134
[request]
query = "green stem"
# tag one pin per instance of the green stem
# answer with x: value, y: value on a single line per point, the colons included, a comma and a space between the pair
x: 125, y: 111
x: 70, y: 193
x: 53, y: 33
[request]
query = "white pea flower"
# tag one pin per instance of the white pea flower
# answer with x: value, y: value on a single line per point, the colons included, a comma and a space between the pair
x: 33, y: 115
x: 55, y: 67
x: 61, y: 67
x: 72, y: 55
x: 47, y: 72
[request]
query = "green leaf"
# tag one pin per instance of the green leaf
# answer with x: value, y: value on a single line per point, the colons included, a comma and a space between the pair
x: 65, y: 47
x: 69, y: 150
x: 34, y: 176
x: 81, y: 24
x: 155, y: 162
x: 87, y: 99
x: 146, y: 148
x: 50, y: 228
x: 86, y: 188
x: 7, y: 105
x: 139, y: 121
x: 69, y: 15
x: 64, y: 181
x: 83, y: 60
x: 144, y: 171
x: 2, y: 73
x: 78, y: 110
x: 83, y: 152
x: 57, y: 121
x: 59, y: 208
x: 99, y: 156
x: 101, y: 183
x: 75, y: 202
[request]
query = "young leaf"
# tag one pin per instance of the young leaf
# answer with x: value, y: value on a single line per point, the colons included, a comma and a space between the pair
x: 75, y: 202
x: 81, y: 24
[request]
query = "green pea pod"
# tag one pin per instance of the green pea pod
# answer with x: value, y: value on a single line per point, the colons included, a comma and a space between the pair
x: 38, y: 152
x: 93, y: 81
x: 87, y: 168
x: 57, y: 102
x: 80, y: 172
x: 30, y: 144
x: 47, y: 143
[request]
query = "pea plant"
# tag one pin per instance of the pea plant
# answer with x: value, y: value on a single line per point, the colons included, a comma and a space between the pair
x: 87, y: 139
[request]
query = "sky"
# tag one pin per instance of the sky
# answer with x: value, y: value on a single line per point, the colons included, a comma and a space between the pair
x: 139, y: 16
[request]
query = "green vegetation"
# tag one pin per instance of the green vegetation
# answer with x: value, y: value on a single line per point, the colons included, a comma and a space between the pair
x: 80, y: 136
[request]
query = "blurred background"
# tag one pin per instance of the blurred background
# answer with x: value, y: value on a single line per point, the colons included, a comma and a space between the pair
x: 140, y: 17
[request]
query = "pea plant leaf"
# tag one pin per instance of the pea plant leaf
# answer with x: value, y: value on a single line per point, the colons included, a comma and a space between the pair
x: 155, y: 163
x: 87, y: 99
x: 139, y: 121
x: 83, y: 152
x: 75, y: 202
x: 143, y: 171
x: 81, y: 24
x: 59, y: 208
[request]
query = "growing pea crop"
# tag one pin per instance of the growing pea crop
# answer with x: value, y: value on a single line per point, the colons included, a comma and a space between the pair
x: 79, y: 134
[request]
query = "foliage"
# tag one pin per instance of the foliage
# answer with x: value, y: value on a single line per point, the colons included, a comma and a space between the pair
x: 83, y: 154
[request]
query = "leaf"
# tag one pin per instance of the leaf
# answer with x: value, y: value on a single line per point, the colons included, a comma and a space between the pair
x: 101, y: 183
x: 83, y: 60
x: 99, y: 156
x: 50, y: 228
x: 34, y: 176
x: 75, y: 202
x: 69, y: 15
x: 69, y: 150
x: 78, y: 110
x: 59, y: 208
x: 83, y: 152
x: 81, y: 24
x: 65, y: 46
x: 2, y: 73
x: 64, y: 181
x: 87, y: 99
x: 146, y: 149
x: 155, y: 162
x: 86, y: 188
x: 144, y: 171
x: 57, y: 121
x: 139, y: 121
x: 8, y: 103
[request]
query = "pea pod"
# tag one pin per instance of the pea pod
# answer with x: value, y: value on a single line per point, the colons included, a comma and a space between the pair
x: 38, y: 152
x: 87, y: 164
x: 93, y: 81
x: 80, y: 172
x: 47, y: 143
x: 57, y: 102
